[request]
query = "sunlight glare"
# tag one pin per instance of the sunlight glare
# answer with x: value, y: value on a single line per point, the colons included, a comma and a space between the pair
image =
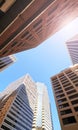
x: 72, y: 28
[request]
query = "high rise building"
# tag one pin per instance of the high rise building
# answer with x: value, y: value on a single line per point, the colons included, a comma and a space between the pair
x: 23, y: 106
x: 42, y: 114
x: 65, y: 87
x: 72, y: 46
x: 17, y: 103
x: 27, y: 23
x: 6, y: 61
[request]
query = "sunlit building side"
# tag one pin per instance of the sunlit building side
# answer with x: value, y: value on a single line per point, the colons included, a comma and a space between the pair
x: 72, y: 46
x: 24, y: 105
x: 65, y: 87
x: 42, y: 114
x: 17, y: 103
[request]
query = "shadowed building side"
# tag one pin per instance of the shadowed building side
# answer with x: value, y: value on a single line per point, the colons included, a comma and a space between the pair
x: 25, y: 27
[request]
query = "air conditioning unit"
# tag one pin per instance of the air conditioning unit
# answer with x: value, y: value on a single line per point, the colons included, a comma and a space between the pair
x: 5, y: 5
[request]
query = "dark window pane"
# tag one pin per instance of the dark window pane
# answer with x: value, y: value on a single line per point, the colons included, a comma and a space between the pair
x: 69, y: 120
x: 5, y: 128
x: 73, y: 96
x: 76, y: 108
x: 63, y: 105
x: 74, y: 102
x: 64, y: 112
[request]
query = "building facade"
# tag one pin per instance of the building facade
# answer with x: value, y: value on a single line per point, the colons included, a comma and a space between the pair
x: 42, y: 114
x: 72, y: 46
x: 65, y: 87
x: 17, y: 105
x: 6, y: 61
x: 23, y: 106
x: 27, y: 26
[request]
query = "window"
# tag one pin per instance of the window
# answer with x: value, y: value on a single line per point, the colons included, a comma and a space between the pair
x: 73, y: 96
x: 72, y: 91
x: 5, y: 127
x: 69, y: 120
x: 76, y: 109
x: 60, y: 96
x: 9, y: 123
x: 14, y: 44
x: 64, y: 105
x: 76, y: 84
x: 25, y: 34
x: 61, y: 100
x: 39, y: 22
x: 68, y: 88
x: 57, y: 88
x: 64, y: 112
x: 61, y: 91
x: 74, y: 102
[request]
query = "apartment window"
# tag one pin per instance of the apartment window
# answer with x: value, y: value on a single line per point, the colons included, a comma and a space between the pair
x: 10, y: 117
x: 61, y: 91
x: 68, y: 88
x: 25, y: 34
x: 14, y: 44
x: 76, y: 80
x: 39, y: 28
x: 73, y: 96
x: 66, y: 84
x: 64, y: 112
x: 72, y: 91
x: 38, y: 23
x: 61, y: 100
x: 76, y: 84
x: 76, y: 109
x: 60, y: 96
x: 57, y: 88
x: 5, y: 127
x: 64, y: 105
x: 74, y: 102
x: 9, y: 123
x: 29, y: 36
x: 69, y: 120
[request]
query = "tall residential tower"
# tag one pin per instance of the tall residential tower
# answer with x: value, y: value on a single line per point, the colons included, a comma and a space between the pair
x: 65, y: 87
x: 42, y: 114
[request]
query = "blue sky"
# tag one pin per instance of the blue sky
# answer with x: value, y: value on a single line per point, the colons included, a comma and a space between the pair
x: 42, y: 62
